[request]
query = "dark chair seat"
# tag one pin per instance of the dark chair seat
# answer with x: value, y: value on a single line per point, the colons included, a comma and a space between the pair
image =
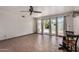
x: 70, y: 42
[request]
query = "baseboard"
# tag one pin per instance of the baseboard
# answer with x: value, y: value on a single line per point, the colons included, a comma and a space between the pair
x: 17, y: 36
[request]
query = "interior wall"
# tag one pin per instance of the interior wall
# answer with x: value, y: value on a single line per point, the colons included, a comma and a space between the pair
x: 69, y: 23
x: 76, y: 24
x: 12, y: 24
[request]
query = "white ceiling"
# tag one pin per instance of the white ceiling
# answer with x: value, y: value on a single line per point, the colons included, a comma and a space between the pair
x: 52, y: 10
x: 46, y: 10
x: 13, y: 8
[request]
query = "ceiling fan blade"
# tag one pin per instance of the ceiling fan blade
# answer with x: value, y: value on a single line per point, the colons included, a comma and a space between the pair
x: 24, y: 11
x: 37, y: 11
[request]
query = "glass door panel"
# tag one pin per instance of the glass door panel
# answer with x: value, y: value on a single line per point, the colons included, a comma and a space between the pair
x: 46, y: 26
x: 39, y: 27
x: 60, y: 22
x: 53, y: 26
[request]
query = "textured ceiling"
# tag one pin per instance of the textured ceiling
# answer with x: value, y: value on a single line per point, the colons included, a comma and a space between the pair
x: 46, y: 10
x: 52, y: 10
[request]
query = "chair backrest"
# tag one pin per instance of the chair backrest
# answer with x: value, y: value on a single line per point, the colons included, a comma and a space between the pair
x: 69, y: 32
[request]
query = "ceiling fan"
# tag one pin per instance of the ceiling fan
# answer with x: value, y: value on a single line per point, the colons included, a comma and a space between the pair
x: 31, y: 10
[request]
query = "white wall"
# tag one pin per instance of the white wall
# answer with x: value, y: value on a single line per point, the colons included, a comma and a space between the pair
x: 69, y: 23
x: 76, y: 24
x: 13, y: 25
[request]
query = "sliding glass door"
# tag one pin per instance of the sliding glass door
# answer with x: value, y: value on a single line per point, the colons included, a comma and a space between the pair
x: 53, y: 26
x: 60, y: 25
x: 39, y: 26
x: 46, y: 26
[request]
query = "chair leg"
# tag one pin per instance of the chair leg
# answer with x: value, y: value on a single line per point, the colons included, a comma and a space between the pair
x: 71, y: 49
x: 75, y: 48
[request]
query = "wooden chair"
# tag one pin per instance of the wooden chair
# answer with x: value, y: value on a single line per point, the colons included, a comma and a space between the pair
x: 71, y: 41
